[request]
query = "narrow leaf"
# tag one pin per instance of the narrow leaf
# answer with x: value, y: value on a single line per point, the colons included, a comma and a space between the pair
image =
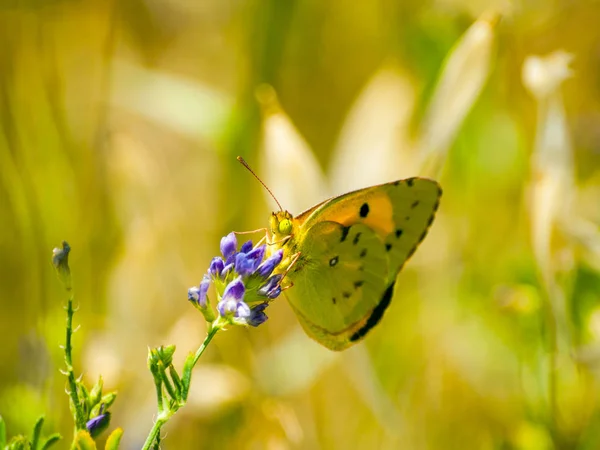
x: 37, y: 432
x: 52, y: 439
x: 2, y: 433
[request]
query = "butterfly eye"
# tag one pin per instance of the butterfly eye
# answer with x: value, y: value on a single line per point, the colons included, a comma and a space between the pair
x: 285, y: 227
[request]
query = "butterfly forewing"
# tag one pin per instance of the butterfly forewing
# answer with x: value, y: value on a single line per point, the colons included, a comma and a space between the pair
x: 399, y: 212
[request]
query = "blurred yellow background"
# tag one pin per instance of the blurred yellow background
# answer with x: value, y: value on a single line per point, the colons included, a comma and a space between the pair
x: 120, y: 122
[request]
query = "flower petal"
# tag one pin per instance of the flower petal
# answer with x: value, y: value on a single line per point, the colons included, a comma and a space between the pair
x: 242, y: 310
x: 257, y: 315
x: 216, y: 266
x: 267, y: 267
x: 243, y: 265
x: 227, y: 307
x: 235, y: 290
x: 271, y: 284
x: 228, y: 245
x: 246, y: 247
x: 256, y: 256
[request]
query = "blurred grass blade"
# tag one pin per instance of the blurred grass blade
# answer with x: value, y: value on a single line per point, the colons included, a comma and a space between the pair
x: 287, y: 160
x: 2, y: 433
x: 37, y: 432
x: 465, y: 72
x: 112, y: 443
x: 51, y: 440
x: 375, y: 137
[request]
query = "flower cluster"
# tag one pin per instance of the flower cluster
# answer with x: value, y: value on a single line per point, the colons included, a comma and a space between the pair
x: 244, y: 283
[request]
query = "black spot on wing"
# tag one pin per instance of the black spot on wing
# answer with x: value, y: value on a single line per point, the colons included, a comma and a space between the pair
x: 376, y: 315
x: 334, y: 300
x: 358, y: 284
x: 410, y: 182
x: 346, y: 294
x: 345, y: 231
x: 396, y: 183
x: 399, y: 233
x: 356, y: 238
x: 388, y: 247
x: 363, y: 253
x: 333, y: 261
x: 364, y: 210
x: 415, y: 204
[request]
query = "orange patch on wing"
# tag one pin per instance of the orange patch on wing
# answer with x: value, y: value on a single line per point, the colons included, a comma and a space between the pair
x: 379, y: 217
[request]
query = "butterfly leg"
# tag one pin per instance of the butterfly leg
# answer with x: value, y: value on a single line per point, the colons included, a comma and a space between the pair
x: 294, y: 260
x: 251, y: 232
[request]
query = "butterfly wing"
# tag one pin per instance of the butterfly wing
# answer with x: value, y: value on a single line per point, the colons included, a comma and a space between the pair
x: 351, y: 250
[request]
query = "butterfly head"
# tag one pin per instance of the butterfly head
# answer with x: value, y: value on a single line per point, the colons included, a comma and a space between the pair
x: 281, y: 225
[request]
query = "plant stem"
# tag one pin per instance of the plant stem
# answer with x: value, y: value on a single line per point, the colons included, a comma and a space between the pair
x: 211, y: 333
x: 165, y: 415
x: 79, y: 417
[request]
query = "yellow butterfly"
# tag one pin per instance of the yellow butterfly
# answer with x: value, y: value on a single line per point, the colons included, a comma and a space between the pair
x: 342, y: 256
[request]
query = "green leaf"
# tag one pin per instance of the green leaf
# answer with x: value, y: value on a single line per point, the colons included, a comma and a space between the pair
x: 37, y: 432
x: 96, y: 392
x: 113, y: 441
x: 2, y: 433
x: 52, y: 439
x: 187, y: 376
x: 104, y: 403
x: 84, y: 395
x: 83, y: 441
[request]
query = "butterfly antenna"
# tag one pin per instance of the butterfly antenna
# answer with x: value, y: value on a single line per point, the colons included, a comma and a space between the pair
x: 245, y: 164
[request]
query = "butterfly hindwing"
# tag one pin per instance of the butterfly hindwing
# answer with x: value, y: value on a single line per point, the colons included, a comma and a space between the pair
x: 339, y: 280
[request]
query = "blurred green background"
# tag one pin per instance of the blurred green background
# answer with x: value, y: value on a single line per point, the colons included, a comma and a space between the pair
x: 119, y: 126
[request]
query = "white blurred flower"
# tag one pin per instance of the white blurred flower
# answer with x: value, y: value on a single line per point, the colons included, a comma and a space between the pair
x: 544, y: 75
x: 465, y: 72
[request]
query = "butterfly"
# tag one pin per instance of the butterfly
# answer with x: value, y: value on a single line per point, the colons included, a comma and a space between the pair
x: 343, y: 255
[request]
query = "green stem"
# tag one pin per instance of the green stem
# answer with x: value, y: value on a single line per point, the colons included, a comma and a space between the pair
x: 154, y: 434
x: 165, y: 415
x: 211, y: 333
x: 187, y: 370
x: 79, y: 416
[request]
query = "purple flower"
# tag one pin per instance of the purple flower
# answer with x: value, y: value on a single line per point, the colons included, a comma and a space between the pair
x: 247, y: 263
x: 244, y: 283
x: 246, y: 247
x: 98, y: 424
x: 257, y: 315
x: 271, y: 289
x: 232, y: 304
x: 228, y: 245
x: 216, y: 266
x: 243, y: 265
x: 235, y: 290
x: 198, y: 294
x: 267, y: 267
